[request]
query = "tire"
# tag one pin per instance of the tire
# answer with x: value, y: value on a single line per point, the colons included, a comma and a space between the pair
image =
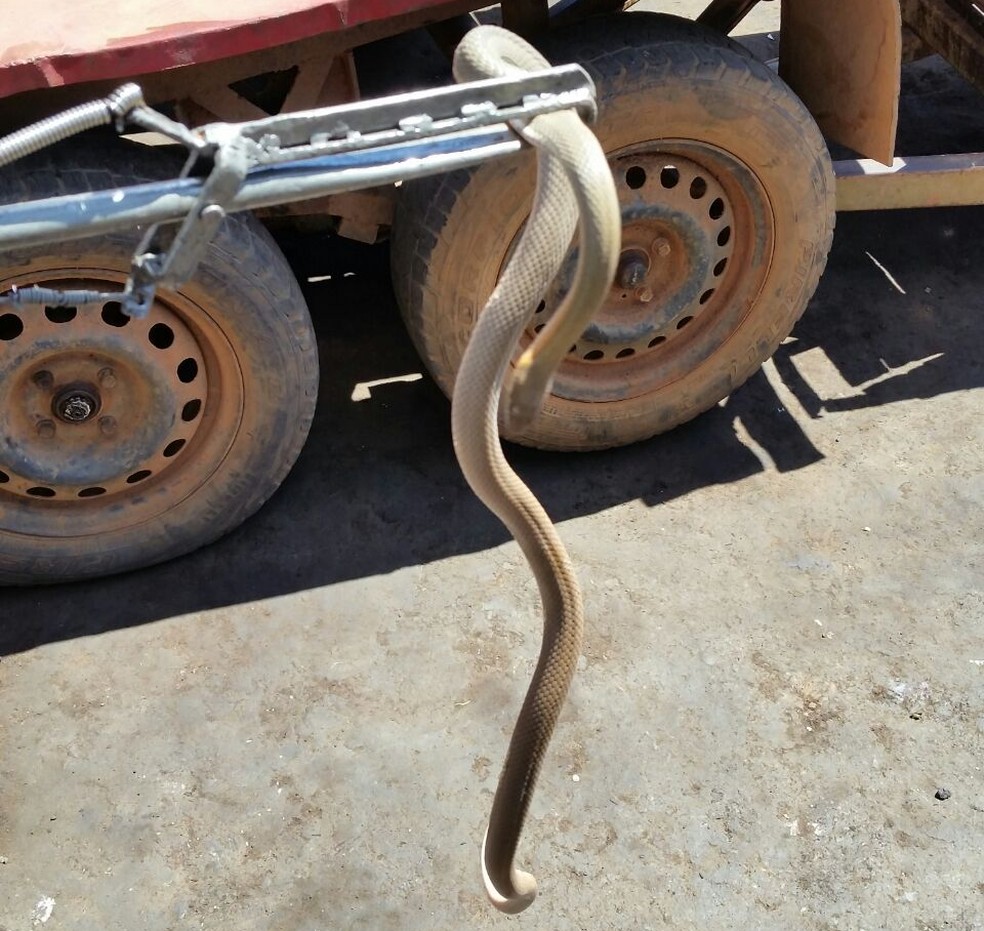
x: 728, y: 212
x: 184, y: 422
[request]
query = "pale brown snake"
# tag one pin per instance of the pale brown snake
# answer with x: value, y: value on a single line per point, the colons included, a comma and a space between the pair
x: 573, y: 178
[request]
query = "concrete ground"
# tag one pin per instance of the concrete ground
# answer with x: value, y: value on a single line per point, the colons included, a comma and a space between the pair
x: 779, y: 717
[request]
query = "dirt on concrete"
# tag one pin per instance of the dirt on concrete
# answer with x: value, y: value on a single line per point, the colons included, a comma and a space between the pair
x: 778, y: 720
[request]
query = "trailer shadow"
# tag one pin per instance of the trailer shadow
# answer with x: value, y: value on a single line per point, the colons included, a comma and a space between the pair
x: 377, y: 487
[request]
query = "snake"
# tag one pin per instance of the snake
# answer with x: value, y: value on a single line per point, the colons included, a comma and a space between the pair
x: 575, y: 191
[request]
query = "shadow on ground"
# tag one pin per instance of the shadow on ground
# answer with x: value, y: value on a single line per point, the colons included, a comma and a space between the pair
x: 377, y: 487
x: 897, y: 316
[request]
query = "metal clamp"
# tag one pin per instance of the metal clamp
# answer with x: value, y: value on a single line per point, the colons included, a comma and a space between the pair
x: 149, y: 269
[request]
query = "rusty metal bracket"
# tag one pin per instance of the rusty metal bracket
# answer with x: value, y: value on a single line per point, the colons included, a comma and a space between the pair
x: 955, y: 29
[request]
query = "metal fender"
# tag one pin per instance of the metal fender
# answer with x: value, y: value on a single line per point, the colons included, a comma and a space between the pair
x: 843, y: 58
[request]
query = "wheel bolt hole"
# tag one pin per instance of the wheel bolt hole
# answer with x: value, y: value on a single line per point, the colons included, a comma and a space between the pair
x: 724, y: 237
x: 538, y: 327
x: 669, y: 177
x: 112, y: 314
x: 191, y: 410
x: 138, y: 476
x: 4, y: 477
x: 173, y: 448
x: 625, y: 353
x: 541, y: 307
x: 93, y: 492
x: 39, y: 491
x: 706, y: 296
x: 656, y: 341
x: 698, y: 188
x: 161, y: 336
x: 683, y: 322
x: 11, y: 326
x: 594, y: 355
x: 720, y: 267
x: 635, y: 177
x: 187, y: 370
x: 716, y: 210
x: 43, y: 379
x: 60, y: 314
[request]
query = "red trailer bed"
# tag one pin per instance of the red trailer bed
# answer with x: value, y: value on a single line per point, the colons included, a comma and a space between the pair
x: 63, y: 42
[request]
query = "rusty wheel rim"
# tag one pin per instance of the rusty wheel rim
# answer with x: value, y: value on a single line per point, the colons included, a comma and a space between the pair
x: 697, y: 235
x: 105, y: 420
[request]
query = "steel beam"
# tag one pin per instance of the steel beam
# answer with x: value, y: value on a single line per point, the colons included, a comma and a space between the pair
x: 925, y: 181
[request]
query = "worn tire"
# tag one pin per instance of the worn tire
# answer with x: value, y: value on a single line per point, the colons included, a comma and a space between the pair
x: 189, y: 420
x: 676, y: 101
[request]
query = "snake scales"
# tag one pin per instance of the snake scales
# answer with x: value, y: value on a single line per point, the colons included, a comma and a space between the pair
x: 573, y: 178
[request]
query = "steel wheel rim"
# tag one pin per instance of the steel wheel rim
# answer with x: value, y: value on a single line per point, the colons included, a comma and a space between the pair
x: 107, y: 421
x: 698, y: 237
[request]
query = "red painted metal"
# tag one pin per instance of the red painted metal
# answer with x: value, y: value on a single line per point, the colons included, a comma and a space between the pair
x: 61, y: 42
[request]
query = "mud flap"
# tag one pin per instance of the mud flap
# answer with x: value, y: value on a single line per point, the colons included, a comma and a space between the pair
x: 843, y: 59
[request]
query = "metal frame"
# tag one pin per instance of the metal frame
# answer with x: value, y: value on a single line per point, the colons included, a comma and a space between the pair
x: 925, y: 181
x: 275, y: 160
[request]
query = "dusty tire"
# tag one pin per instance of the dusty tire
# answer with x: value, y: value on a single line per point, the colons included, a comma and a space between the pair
x: 185, y: 423
x: 728, y: 211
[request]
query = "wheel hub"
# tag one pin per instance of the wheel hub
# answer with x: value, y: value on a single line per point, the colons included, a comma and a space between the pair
x: 633, y: 268
x: 93, y: 403
x: 76, y: 404
x: 677, y: 261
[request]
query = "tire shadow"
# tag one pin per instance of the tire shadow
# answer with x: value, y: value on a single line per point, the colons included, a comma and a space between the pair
x: 376, y: 489
x: 898, y: 313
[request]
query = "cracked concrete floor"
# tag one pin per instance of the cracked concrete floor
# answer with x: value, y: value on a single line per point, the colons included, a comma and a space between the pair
x: 300, y: 727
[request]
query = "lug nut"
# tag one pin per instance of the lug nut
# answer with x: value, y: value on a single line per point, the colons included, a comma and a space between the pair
x: 46, y: 429
x: 632, y: 268
x: 107, y: 378
x: 76, y: 404
x: 661, y: 246
x: 43, y: 379
x: 76, y: 408
x: 107, y: 426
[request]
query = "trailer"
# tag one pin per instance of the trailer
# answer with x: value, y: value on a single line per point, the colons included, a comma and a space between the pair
x: 128, y: 440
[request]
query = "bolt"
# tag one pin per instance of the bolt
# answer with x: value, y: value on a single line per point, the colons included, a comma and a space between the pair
x: 46, y: 429
x: 661, y: 246
x: 107, y: 425
x: 76, y: 404
x: 107, y: 378
x: 76, y: 408
x: 645, y: 295
x: 43, y: 379
x: 632, y: 269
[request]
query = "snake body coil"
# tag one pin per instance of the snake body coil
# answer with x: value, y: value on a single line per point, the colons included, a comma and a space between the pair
x: 573, y: 178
